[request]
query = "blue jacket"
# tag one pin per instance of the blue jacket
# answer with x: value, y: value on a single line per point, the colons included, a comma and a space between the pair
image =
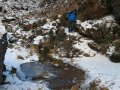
x: 71, y: 16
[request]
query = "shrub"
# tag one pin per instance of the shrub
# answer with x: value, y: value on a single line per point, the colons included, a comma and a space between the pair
x: 63, y: 20
x: 94, y: 85
x: 117, y: 46
x: 35, y: 25
x: 27, y: 27
x: 68, y: 43
x: 116, y: 31
x: 13, y: 70
x: 101, y: 48
x: 103, y: 35
x: 34, y: 49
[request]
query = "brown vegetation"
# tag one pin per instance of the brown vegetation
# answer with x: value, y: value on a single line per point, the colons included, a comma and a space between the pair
x: 20, y: 57
x: 91, y: 9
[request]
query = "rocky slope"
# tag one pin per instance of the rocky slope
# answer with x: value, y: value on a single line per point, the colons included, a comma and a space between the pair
x: 21, y: 7
x: 39, y: 38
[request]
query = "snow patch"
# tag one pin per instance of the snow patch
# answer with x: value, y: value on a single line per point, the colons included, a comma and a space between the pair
x: 38, y: 39
x: 2, y: 29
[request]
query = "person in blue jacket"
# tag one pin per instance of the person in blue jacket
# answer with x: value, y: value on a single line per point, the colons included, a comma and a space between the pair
x: 71, y: 18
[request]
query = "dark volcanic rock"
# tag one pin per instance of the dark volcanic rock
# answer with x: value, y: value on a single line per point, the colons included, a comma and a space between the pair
x: 114, y: 7
x: 115, y: 4
x: 3, y: 47
x: 115, y: 58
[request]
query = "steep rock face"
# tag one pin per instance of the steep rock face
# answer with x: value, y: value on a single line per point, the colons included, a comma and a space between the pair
x: 114, y: 7
x: 3, y: 47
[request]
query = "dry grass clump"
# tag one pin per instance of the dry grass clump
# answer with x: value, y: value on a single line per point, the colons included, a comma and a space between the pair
x: 34, y: 25
x: 75, y: 87
x: 13, y: 70
x: 101, y: 35
x: 20, y: 57
x: 94, y: 85
x: 34, y: 49
x: 104, y: 88
x: 67, y: 44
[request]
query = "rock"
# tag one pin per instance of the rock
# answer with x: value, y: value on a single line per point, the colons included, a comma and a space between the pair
x: 3, y: 48
x: 114, y: 7
x: 115, y: 58
x: 0, y: 9
x: 91, y: 9
x: 86, y: 55
x: 115, y: 4
x: 101, y: 48
x: 94, y: 46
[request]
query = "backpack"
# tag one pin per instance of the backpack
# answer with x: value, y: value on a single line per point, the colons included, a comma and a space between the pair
x: 71, y: 16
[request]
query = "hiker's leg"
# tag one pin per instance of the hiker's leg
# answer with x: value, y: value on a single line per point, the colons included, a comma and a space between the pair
x: 70, y: 29
x: 72, y: 26
x: 69, y: 26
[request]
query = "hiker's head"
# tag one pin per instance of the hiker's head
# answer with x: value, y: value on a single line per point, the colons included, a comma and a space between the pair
x: 73, y: 11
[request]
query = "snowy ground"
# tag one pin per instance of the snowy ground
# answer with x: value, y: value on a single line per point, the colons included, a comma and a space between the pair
x: 12, y: 60
x: 97, y: 66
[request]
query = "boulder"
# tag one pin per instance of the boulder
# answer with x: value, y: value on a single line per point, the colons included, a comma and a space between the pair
x: 114, y: 8
x: 115, y: 4
x: 3, y: 47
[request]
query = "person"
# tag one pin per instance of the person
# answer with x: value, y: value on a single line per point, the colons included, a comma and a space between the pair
x: 71, y: 18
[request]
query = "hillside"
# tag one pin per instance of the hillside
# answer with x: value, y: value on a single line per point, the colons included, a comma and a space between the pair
x: 44, y: 55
